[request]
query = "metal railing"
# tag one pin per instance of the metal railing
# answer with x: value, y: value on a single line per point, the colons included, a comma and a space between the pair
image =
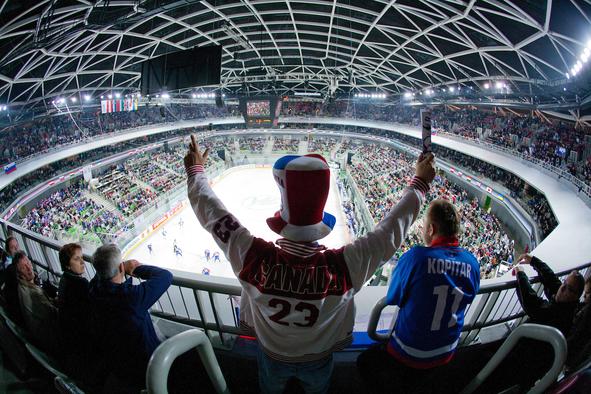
x: 495, y: 304
x: 578, y: 183
x: 534, y: 331
x: 163, y: 357
x: 212, y: 304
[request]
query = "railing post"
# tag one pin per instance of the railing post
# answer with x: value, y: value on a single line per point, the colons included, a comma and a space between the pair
x: 163, y: 357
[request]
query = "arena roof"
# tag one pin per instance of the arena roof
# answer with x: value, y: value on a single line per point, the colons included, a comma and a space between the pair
x: 51, y: 48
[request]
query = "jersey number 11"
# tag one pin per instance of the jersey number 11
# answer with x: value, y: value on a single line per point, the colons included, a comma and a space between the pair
x: 442, y: 301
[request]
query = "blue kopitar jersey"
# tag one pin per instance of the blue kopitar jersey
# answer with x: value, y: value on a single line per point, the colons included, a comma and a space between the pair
x: 432, y: 286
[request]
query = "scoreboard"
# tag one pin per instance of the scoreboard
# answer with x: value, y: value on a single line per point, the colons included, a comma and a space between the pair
x: 260, y: 111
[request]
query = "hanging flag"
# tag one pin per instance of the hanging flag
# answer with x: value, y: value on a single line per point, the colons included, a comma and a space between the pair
x: 10, y: 168
x: 487, y: 203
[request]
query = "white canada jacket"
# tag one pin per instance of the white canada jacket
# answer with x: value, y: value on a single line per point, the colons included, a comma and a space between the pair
x: 297, y: 298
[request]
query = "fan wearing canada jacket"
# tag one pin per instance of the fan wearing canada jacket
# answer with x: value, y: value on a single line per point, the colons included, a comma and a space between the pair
x: 432, y: 286
x: 297, y: 296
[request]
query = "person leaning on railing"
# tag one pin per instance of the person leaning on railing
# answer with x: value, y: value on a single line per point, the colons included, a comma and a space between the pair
x: 432, y: 285
x: 297, y: 296
x: 121, y: 328
x: 557, y: 310
x: 562, y: 300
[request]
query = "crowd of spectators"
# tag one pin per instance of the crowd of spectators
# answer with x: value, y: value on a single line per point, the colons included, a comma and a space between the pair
x: 146, y: 168
x: 529, y: 134
x: 382, y: 173
x: 321, y: 145
x: 99, y: 332
x: 532, y: 135
x: 252, y: 144
x: 69, y: 210
x: 290, y: 145
x: 37, y: 136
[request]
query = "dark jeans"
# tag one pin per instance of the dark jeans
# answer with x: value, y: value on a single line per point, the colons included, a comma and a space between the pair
x: 313, y: 376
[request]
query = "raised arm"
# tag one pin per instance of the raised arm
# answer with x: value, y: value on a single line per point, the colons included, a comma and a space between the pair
x: 365, y: 255
x: 234, y: 239
x: 156, y: 282
x: 536, y: 307
x: 548, y: 277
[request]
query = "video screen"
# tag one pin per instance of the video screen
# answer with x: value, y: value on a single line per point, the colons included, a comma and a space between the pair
x: 256, y: 109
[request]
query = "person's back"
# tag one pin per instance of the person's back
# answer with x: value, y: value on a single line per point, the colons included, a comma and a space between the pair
x: 298, y: 291
x: 432, y: 300
x: 432, y: 286
x: 297, y: 297
x: 120, y: 324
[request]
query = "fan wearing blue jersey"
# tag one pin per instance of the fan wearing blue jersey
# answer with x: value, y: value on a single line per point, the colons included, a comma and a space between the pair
x: 432, y: 285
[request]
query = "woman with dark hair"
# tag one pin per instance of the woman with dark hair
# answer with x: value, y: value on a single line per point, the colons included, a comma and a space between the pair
x: 73, y: 307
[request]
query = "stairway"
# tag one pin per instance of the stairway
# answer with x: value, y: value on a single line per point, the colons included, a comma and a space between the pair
x: 142, y: 184
x: 168, y: 169
x: 100, y: 200
x: 269, y: 147
x: 303, y: 147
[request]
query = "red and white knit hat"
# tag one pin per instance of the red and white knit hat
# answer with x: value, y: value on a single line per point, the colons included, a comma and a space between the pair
x: 304, y: 182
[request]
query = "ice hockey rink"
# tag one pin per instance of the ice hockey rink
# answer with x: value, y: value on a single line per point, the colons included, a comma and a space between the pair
x: 252, y: 196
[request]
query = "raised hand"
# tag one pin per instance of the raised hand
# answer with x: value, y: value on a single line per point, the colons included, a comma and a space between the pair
x: 194, y: 156
x: 425, y: 168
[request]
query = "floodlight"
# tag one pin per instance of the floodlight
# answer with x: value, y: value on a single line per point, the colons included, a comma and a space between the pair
x: 73, y: 99
x: 486, y: 85
x: 87, y: 97
x: 194, y: 95
x: 110, y: 96
x: 451, y: 89
x: 117, y: 95
x: 165, y: 95
x: 499, y: 85
x: 407, y: 94
x: 567, y: 76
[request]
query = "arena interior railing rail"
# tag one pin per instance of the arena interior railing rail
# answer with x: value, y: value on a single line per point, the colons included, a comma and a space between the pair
x: 212, y: 305
x: 578, y: 183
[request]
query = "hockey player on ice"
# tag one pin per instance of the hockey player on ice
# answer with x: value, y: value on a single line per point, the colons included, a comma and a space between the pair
x: 216, y: 257
x: 177, y: 251
x: 207, y: 255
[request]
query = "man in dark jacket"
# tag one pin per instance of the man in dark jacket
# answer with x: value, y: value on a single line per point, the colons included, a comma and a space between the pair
x: 562, y: 297
x: 121, y: 324
x: 556, y: 311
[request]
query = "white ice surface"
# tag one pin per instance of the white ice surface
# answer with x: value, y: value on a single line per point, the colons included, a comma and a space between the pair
x: 249, y: 194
